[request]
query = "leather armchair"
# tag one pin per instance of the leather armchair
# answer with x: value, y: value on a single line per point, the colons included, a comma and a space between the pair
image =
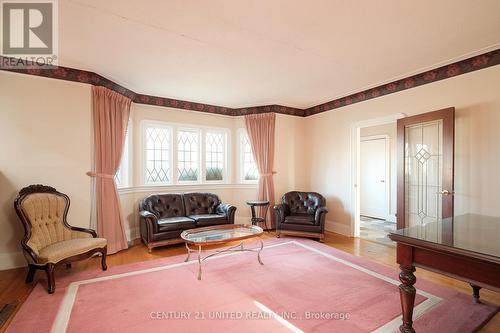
x: 301, y: 214
x: 163, y: 217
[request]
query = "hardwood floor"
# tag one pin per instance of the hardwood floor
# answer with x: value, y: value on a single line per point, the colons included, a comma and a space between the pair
x: 14, y: 290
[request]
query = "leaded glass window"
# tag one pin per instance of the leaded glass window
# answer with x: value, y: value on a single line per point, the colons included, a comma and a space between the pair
x: 423, y: 170
x: 188, y: 155
x: 215, y: 152
x: 158, y: 162
x: 250, y: 172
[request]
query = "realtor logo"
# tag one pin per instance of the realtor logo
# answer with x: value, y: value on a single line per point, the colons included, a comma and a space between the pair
x: 29, y: 32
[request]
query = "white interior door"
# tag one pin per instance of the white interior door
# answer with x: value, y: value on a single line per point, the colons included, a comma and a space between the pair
x: 373, y: 173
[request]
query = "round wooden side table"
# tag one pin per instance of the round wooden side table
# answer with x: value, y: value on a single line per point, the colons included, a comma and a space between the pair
x: 259, y: 219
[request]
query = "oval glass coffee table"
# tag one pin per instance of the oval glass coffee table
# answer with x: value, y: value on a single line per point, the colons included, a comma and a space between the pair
x: 195, y: 239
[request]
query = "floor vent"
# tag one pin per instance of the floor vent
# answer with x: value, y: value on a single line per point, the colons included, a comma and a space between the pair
x: 5, y: 312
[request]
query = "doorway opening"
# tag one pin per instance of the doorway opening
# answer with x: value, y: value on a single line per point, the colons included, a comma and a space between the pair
x: 376, y: 184
x: 374, y: 178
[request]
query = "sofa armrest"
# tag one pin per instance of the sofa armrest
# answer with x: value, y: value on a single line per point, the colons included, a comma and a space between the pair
x: 319, y: 216
x: 228, y: 210
x: 280, y: 212
x: 150, y: 221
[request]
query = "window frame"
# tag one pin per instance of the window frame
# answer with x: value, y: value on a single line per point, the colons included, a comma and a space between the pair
x: 176, y: 154
x: 242, y: 132
x: 160, y: 124
x: 174, y: 172
x: 226, y: 174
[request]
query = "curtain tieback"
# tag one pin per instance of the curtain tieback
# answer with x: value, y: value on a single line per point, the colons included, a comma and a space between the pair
x: 100, y: 175
x: 269, y: 174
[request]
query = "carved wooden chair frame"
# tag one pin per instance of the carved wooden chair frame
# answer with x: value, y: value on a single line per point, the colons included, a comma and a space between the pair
x: 50, y: 267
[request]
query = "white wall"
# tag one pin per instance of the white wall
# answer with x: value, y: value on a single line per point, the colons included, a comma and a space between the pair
x: 46, y: 137
x: 289, y: 138
x: 45, y: 128
x: 231, y: 192
x: 476, y: 98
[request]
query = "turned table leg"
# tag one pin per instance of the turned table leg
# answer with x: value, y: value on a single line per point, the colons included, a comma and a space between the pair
x: 475, y: 293
x: 407, y: 294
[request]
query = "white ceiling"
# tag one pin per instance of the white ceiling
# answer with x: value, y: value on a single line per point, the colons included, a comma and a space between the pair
x: 239, y: 53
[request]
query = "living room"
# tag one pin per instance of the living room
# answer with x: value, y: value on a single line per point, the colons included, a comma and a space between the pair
x: 223, y: 157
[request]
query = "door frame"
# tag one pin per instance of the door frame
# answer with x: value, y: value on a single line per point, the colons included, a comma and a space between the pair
x: 354, y: 165
x: 387, y: 176
x: 448, y: 116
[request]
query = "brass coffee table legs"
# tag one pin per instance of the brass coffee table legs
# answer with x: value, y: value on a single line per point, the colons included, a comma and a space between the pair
x: 235, y: 248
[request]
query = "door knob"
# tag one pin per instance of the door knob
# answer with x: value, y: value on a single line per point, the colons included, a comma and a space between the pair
x: 382, y: 181
x: 446, y: 192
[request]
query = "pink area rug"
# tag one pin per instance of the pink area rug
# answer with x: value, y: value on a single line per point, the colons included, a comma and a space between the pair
x: 303, y: 286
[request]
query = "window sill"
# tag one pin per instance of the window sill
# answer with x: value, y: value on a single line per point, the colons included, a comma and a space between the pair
x: 184, y: 187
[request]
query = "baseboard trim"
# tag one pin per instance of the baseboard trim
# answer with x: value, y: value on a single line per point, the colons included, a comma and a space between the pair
x: 134, y: 237
x: 12, y: 260
x: 338, y: 228
x: 242, y: 219
x: 391, y: 218
x: 132, y: 234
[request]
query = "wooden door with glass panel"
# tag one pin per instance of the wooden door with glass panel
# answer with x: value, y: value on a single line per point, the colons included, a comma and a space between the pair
x: 425, y: 167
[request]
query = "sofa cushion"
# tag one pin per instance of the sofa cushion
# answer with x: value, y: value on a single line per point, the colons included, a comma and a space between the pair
x: 200, y: 203
x: 164, y: 205
x: 176, y: 223
x: 300, y: 219
x: 68, y: 248
x: 209, y: 219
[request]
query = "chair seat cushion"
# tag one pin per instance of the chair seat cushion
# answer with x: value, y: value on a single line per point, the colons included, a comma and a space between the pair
x: 175, y: 223
x: 300, y: 219
x: 68, y: 248
x: 209, y: 219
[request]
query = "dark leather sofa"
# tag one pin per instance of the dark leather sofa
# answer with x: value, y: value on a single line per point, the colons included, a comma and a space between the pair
x: 301, y: 214
x: 163, y: 217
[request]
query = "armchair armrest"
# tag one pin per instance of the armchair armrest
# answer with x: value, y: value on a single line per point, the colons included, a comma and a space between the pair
x: 85, y: 230
x: 280, y: 212
x: 33, y: 253
x: 319, y: 216
x: 228, y: 210
x: 92, y: 232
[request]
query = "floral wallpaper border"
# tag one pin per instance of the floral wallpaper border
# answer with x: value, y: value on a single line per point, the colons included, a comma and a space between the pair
x: 458, y: 68
x: 76, y: 75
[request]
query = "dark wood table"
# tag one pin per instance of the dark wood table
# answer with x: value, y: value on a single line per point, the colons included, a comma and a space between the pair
x: 464, y: 247
x: 259, y: 219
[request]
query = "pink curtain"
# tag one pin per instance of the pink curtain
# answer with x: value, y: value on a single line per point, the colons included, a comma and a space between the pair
x: 111, y: 113
x: 260, y: 129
